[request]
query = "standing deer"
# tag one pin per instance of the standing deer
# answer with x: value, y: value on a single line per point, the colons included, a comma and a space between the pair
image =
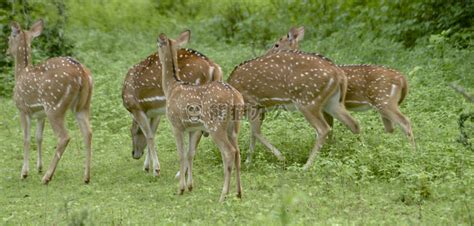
x: 47, y: 90
x: 308, y: 81
x: 143, y: 97
x: 212, y: 107
x: 369, y: 86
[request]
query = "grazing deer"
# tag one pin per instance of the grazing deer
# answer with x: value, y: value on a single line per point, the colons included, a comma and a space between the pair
x: 47, y: 90
x: 143, y: 97
x: 308, y: 81
x: 212, y: 107
x: 369, y: 86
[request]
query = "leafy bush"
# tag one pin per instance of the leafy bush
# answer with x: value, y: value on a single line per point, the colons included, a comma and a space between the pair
x: 403, y: 21
x: 52, y: 42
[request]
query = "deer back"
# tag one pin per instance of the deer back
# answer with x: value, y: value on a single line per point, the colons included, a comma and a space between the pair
x: 286, y: 76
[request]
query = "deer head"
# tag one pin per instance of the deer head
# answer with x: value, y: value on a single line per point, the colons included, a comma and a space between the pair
x: 289, y: 41
x: 19, y: 42
x: 138, y: 140
x: 167, y: 49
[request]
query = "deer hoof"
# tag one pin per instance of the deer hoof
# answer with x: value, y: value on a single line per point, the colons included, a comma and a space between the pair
x: 156, y: 173
x: 24, y: 175
x: 46, y: 180
x: 222, y: 199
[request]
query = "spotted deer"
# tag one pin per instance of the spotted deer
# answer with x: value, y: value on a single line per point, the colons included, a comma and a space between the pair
x: 212, y: 107
x: 143, y: 97
x: 369, y: 86
x: 311, y: 82
x: 47, y: 90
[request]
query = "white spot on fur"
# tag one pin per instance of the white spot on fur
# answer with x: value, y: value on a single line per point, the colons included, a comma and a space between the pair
x: 394, y: 90
x: 151, y: 99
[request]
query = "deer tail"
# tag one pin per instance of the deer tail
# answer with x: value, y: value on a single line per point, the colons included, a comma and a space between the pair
x: 404, y: 90
x: 85, y: 94
x: 343, y: 87
x: 217, y: 73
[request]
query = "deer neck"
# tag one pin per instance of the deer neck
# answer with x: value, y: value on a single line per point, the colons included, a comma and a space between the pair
x: 22, y: 58
x: 169, y: 72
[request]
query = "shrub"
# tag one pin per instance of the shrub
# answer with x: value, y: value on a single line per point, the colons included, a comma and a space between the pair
x: 52, y: 42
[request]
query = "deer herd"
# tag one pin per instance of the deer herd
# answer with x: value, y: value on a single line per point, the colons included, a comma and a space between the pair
x: 188, y: 88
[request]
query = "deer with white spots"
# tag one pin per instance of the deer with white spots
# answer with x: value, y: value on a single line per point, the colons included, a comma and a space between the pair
x: 47, y: 90
x: 143, y: 97
x: 310, y: 82
x: 368, y: 86
x: 214, y: 107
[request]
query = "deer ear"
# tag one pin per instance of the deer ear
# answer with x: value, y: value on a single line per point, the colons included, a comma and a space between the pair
x: 37, y: 28
x: 296, y: 34
x: 15, y: 28
x: 299, y: 33
x: 162, y: 40
x: 183, y: 38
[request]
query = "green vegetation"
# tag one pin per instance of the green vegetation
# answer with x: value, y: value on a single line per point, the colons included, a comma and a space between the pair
x: 372, y: 178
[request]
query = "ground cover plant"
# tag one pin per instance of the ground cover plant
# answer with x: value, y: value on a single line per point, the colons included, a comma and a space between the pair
x: 371, y: 178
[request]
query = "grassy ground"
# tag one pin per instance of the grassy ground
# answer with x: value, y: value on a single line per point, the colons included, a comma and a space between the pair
x: 373, y: 178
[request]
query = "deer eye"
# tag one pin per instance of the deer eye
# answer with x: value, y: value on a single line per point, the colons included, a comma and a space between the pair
x: 276, y: 45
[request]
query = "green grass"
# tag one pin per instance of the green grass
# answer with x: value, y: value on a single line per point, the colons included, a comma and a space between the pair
x: 371, y: 179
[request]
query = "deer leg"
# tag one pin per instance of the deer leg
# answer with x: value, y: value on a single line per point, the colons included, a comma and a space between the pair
x: 82, y: 118
x: 228, y: 154
x: 154, y: 126
x: 147, y: 162
x: 192, y: 144
x: 57, y: 123
x: 156, y: 163
x: 341, y: 114
x: 387, y: 124
x: 145, y: 126
x: 233, y: 137
x: 179, y: 136
x: 330, y: 120
x: 39, y: 141
x: 194, y: 138
x: 316, y: 119
x: 26, y: 126
x: 257, y: 133
x: 394, y: 115
x: 255, y: 124
x: 337, y: 110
